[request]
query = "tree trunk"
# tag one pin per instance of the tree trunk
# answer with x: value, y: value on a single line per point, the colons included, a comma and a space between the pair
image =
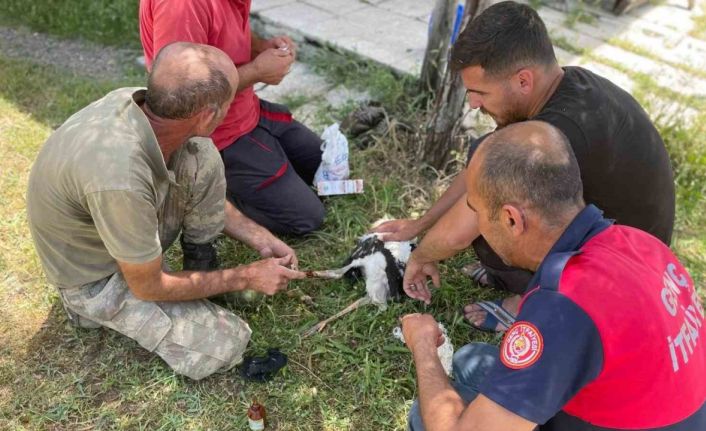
x: 436, y: 55
x: 449, y: 94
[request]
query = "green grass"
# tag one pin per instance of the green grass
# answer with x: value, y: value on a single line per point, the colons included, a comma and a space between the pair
x: 394, y: 91
x: 112, y: 22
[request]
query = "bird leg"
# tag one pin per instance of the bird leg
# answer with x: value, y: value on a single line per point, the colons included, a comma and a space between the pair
x: 320, y: 326
x: 331, y: 274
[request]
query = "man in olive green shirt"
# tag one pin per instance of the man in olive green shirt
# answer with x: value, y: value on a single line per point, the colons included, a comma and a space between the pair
x: 113, y: 187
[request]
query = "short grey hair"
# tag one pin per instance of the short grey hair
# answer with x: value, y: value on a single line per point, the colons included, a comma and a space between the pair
x: 542, y: 175
x: 189, y: 96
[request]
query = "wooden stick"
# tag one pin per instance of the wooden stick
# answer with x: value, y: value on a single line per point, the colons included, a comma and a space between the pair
x: 320, y: 326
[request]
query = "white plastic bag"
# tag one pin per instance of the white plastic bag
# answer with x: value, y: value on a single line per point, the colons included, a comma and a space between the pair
x: 334, y: 160
x: 445, y: 351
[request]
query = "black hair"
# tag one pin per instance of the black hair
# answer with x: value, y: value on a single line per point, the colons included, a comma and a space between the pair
x: 503, y: 38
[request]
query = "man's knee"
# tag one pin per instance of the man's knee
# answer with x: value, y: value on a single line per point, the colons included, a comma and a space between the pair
x: 198, y: 365
x: 414, y: 420
x: 204, y: 341
x: 310, y: 217
x: 472, y: 362
x: 204, y: 216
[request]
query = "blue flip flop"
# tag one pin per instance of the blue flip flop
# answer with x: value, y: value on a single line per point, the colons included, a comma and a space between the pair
x: 477, y: 272
x: 496, y: 315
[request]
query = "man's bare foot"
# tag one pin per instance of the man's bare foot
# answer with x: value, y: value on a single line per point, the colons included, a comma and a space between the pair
x: 476, y: 315
x: 476, y: 272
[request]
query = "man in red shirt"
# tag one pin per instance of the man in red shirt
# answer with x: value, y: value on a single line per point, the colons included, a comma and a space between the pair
x: 270, y: 159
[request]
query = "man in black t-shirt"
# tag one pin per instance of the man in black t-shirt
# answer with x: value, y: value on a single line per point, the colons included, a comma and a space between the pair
x: 510, y: 71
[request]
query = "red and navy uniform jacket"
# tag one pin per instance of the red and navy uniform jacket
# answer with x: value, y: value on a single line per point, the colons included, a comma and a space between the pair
x: 611, y: 337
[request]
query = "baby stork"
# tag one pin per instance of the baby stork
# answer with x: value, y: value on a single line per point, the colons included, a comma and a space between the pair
x: 380, y: 263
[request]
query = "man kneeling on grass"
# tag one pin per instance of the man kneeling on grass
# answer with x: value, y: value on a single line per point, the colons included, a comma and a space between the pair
x: 112, y: 189
x: 610, y: 334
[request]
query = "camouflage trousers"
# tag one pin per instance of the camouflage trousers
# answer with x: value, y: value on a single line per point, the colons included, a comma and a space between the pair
x: 195, y: 338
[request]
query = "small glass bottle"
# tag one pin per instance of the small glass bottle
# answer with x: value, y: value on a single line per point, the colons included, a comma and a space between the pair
x: 256, y: 416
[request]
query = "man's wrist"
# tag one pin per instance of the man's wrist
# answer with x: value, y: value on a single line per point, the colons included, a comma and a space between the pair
x: 420, y: 224
x: 419, y: 257
x: 248, y: 74
x: 237, y: 277
x: 262, y: 241
x: 423, y: 350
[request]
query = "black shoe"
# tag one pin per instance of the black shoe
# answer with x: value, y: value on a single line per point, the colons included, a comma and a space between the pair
x: 263, y: 368
x: 199, y: 257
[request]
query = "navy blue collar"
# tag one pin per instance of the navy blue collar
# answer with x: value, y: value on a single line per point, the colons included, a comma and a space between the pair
x: 587, y: 224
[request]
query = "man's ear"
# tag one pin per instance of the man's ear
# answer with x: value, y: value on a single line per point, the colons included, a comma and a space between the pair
x: 513, y: 219
x: 524, y: 79
x: 204, y: 119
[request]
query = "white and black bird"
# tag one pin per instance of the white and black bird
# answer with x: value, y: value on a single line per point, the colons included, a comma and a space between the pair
x: 381, y: 264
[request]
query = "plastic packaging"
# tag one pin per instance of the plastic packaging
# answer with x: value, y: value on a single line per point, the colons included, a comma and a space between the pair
x: 445, y: 351
x: 345, y: 187
x: 334, y: 160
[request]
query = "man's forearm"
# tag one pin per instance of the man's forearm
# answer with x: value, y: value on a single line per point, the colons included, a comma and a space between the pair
x: 451, y: 234
x: 239, y: 227
x: 247, y: 76
x: 440, y: 404
x: 191, y: 285
x: 149, y: 283
x: 452, y: 194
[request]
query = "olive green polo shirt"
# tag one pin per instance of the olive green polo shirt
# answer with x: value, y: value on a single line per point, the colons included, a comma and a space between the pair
x: 95, y: 191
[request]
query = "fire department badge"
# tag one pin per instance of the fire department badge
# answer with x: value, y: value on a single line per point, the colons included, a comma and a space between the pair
x: 522, y: 346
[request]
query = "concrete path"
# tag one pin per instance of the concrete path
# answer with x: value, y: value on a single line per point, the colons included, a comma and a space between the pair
x: 311, y: 93
x: 652, y: 40
x: 391, y: 32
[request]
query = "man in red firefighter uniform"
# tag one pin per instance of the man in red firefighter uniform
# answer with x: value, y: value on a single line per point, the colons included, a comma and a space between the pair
x: 610, y: 334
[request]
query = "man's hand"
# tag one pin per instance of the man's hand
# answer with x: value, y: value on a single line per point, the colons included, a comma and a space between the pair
x: 283, y: 43
x: 277, y: 248
x: 421, y: 330
x: 271, y: 275
x: 415, y: 279
x: 399, y: 230
x: 272, y: 65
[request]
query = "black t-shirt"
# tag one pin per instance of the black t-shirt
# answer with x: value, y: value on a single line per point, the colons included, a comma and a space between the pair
x: 624, y: 164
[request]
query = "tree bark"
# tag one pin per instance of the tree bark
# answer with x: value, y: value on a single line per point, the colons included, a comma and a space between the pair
x: 436, y: 54
x: 442, y: 136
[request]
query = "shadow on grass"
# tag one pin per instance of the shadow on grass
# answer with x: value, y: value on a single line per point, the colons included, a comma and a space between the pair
x: 71, y: 376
